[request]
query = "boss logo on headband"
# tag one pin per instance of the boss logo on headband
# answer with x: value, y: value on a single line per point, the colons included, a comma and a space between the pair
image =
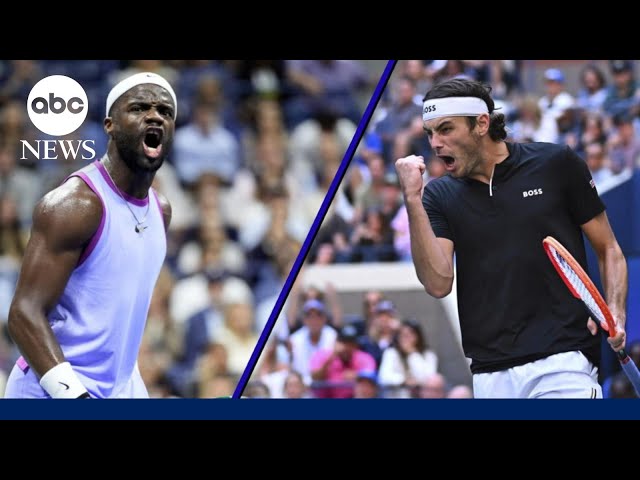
x: 57, y: 106
x: 429, y: 108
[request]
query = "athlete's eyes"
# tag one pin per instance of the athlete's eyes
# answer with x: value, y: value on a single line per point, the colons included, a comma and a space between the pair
x: 165, y: 111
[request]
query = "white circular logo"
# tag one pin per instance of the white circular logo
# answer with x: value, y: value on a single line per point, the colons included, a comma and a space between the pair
x: 57, y: 105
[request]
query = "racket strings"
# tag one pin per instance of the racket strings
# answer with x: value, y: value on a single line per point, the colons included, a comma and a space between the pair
x: 579, y: 286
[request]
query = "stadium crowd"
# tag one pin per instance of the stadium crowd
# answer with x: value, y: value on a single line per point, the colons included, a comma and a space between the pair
x: 257, y: 144
x: 315, y: 351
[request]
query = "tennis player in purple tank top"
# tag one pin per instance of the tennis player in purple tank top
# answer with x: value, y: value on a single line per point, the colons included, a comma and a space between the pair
x: 97, y: 245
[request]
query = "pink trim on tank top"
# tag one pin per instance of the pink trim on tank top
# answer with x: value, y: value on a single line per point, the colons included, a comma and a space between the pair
x: 96, y: 236
x: 22, y: 364
x: 155, y: 194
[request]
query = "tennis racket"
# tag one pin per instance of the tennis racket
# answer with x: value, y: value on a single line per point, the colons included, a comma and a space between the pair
x: 581, y: 287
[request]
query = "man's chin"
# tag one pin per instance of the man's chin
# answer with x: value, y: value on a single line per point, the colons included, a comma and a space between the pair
x: 148, y: 164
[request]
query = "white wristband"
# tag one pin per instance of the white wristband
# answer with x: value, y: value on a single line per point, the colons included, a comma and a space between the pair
x: 62, y: 382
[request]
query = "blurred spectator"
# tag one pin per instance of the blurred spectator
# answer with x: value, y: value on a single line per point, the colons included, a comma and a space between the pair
x: 593, y: 89
x: 363, y: 321
x: 214, y: 362
x: 300, y: 296
x: 334, y: 370
x: 434, y: 386
x: 21, y: 76
x: 621, y: 387
x: 283, y: 263
x: 314, y: 336
x: 622, y: 95
x: 408, y: 361
x: 592, y: 131
x: 460, y: 391
x: 598, y: 164
x: 199, y: 331
x: 237, y: 332
x: 210, y: 185
x: 136, y: 66
x: 399, y: 116
x: 324, y: 83
x: 15, y: 127
x: 264, y: 79
x: 366, y: 385
x: 192, y: 75
x: 402, y: 235
x: 218, y: 386
x: 555, y: 101
x: 203, y: 145
x: 372, y: 240
x: 505, y: 77
x: 417, y: 71
x: 530, y: 125
x: 256, y: 389
x: 273, y: 367
x: 307, y: 139
x: 381, y: 330
x: 294, y: 386
x: 455, y: 69
x: 370, y: 194
x: 623, y: 145
x: 411, y: 141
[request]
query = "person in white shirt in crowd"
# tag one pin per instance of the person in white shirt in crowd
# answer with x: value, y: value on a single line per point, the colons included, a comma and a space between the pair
x: 408, y: 362
x: 556, y: 99
x: 313, y: 336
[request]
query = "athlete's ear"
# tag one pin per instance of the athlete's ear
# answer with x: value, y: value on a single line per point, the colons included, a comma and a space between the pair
x: 482, y: 124
x: 108, y: 125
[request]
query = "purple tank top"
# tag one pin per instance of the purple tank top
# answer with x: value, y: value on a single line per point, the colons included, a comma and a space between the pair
x: 101, y: 315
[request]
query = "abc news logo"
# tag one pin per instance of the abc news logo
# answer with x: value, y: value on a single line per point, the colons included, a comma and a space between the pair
x: 57, y: 106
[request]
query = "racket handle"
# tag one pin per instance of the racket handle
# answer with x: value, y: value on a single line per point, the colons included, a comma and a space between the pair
x: 630, y: 369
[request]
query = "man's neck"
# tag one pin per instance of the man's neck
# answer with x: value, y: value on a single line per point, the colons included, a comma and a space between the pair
x: 493, y: 154
x: 136, y: 184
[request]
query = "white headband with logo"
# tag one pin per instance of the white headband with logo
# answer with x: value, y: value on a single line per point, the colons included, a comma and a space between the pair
x: 138, y: 79
x: 453, y: 107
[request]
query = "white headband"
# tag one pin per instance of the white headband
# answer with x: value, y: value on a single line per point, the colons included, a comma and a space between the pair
x: 139, y: 79
x: 453, y: 107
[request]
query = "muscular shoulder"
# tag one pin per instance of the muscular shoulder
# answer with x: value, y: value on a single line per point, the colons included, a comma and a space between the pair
x: 166, y: 208
x: 68, y: 215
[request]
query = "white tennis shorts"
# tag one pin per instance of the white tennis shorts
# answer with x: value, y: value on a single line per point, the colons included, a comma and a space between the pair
x: 563, y: 375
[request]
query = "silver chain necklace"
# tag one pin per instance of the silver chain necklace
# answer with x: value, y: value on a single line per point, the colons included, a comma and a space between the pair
x: 140, y: 227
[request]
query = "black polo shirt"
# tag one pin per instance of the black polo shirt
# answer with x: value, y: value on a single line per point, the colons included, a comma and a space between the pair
x: 513, y: 306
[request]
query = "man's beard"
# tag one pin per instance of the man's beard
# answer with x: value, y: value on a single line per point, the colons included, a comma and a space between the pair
x: 472, y: 156
x: 128, y: 146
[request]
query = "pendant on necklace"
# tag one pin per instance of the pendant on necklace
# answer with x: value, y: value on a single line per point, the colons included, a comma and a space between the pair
x: 140, y: 228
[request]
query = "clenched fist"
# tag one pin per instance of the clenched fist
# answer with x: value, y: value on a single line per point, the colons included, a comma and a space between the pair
x: 410, y: 170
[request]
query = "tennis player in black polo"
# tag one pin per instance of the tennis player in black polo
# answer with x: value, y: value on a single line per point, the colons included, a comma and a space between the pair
x: 526, y: 336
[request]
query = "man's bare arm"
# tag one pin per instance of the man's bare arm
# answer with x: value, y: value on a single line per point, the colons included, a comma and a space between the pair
x: 432, y: 256
x: 613, y: 272
x: 63, y: 223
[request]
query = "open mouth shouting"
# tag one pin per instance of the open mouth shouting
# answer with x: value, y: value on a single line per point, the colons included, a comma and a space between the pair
x: 449, y: 162
x: 152, y: 142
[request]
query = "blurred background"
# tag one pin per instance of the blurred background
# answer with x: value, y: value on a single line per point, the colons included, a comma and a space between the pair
x: 358, y: 298
x: 257, y: 144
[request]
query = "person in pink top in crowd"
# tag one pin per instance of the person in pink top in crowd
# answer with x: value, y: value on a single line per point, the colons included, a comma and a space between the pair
x: 334, y: 371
